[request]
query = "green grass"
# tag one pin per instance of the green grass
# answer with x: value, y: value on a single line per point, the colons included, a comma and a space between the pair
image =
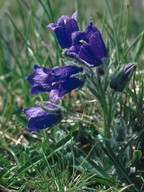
x: 71, y: 156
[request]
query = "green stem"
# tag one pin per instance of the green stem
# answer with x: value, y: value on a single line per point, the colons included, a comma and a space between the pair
x: 105, y: 127
x: 106, y: 116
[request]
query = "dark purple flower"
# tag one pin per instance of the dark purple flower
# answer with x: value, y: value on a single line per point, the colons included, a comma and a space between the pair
x: 88, y: 46
x: 58, y: 81
x: 63, y: 29
x: 122, y: 76
x: 41, y: 117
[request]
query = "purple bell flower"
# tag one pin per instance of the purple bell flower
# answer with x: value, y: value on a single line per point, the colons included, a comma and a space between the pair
x: 88, y: 46
x: 41, y: 117
x: 58, y: 81
x: 122, y: 76
x: 63, y: 29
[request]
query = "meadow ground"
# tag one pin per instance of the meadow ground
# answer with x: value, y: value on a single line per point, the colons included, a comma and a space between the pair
x: 95, y: 147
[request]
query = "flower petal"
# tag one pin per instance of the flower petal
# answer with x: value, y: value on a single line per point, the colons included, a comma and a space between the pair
x: 54, y: 96
x: 74, y: 15
x: 38, y: 123
x: 65, y: 72
x: 70, y: 84
x: 77, y: 36
x: 63, y: 37
x: 44, y: 87
x: 90, y: 30
x: 73, y: 51
x: 98, y: 47
x: 129, y: 68
x: 87, y: 54
x: 40, y: 119
x: 38, y: 111
x: 63, y: 20
x: 34, y: 112
x: 71, y: 26
x: 39, y: 89
x: 65, y: 87
x: 40, y: 75
x: 52, y: 26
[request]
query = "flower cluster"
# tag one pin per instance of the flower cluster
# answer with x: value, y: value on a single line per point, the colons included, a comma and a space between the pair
x: 84, y: 47
x: 57, y: 81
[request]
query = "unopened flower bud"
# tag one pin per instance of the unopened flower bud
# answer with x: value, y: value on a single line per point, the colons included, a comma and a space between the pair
x: 122, y: 76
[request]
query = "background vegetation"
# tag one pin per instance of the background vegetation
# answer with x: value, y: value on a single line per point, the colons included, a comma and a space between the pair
x: 68, y: 157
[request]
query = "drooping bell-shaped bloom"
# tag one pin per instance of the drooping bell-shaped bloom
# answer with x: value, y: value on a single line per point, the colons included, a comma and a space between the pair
x: 58, y: 81
x: 64, y: 28
x: 122, y: 76
x: 41, y: 117
x: 88, y: 46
